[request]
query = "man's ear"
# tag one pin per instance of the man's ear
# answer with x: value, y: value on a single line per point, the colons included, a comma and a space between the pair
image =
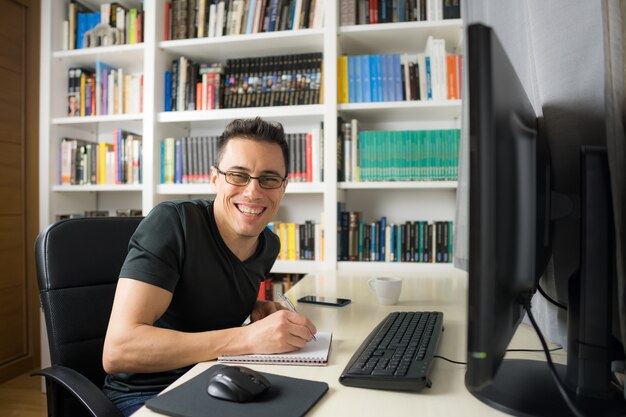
x: 213, y: 176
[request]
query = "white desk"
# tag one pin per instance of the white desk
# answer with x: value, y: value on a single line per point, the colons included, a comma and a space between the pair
x: 434, y: 291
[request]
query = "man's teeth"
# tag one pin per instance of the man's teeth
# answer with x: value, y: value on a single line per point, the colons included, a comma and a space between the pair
x: 250, y: 211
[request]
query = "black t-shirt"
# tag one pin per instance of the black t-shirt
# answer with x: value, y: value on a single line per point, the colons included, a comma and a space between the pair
x: 178, y: 247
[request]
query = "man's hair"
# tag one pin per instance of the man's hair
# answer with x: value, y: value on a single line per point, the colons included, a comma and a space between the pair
x: 255, y: 129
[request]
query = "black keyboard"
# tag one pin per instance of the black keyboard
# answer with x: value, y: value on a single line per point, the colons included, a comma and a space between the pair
x: 397, y: 354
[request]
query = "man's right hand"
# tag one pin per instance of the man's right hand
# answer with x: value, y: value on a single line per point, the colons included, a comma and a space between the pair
x: 282, y: 331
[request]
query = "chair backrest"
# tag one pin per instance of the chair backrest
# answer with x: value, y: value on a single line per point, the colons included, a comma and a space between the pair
x: 78, y: 264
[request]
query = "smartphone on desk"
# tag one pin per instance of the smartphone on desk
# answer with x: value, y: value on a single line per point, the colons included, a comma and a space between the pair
x: 326, y: 301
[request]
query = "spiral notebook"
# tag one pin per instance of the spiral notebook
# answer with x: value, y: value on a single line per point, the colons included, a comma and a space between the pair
x: 314, y: 353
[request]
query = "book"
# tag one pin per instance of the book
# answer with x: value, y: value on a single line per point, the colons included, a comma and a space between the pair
x: 314, y: 353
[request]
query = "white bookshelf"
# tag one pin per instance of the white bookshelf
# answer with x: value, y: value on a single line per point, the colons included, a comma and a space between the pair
x: 399, y: 201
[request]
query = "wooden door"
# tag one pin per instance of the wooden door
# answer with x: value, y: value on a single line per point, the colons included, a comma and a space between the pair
x: 19, y: 110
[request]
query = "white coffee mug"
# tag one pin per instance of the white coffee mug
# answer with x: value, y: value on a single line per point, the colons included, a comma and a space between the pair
x: 387, y: 289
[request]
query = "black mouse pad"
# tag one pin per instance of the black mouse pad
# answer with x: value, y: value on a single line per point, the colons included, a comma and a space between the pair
x: 287, y: 397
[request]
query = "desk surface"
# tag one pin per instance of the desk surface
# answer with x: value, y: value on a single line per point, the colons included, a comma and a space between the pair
x: 444, y: 291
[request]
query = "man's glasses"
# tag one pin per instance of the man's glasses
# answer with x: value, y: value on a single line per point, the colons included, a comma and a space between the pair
x: 241, y: 179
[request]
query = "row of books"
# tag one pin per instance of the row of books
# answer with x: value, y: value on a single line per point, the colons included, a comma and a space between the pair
x: 185, y: 19
x: 188, y: 160
x: 274, y: 285
x: 306, y: 156
x: 99, y: 213
x: 403, y: 155
x: 193, y: 85
x: 103, y: 90
x: 361, y: 12
x: 380, y: 241
x: 244, y: 82
x: 111, y: 24
x: 432, y: 75
x: 83, y: 162
x: 410, y: 155
x: 299, y: 241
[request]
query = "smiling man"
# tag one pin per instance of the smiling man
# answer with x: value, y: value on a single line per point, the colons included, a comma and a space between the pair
x: 193, y: 270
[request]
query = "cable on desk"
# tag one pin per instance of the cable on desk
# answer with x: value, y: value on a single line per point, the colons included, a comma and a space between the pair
x: 450, y: 360
x: 534, y: 350
x: 508, y: 350
x: 526, y: 304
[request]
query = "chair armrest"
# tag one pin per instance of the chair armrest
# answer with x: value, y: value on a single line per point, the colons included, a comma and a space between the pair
x: 82, y: 389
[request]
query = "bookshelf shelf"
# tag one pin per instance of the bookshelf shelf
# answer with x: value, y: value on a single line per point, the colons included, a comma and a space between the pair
x: 94, y: 188
x: 403, y: 110
x: 393, y: 37
x: 237, y: 46
x: 393, y: 267
x: 399, y: 201
x: 118, y: 55
x: 314, y: 112
x: 206, y: 189
x: 296, y: 267
x: 399, y: 185
x: 94, y: 120
x: 185, y: 189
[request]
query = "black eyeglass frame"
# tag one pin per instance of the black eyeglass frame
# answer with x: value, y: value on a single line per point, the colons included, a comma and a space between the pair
x: 250, y: 177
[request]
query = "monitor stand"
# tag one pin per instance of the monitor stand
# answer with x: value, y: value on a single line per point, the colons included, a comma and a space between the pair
x: 526, y: 388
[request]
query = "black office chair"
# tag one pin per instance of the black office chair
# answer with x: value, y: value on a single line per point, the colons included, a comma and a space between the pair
x: 78, y: 264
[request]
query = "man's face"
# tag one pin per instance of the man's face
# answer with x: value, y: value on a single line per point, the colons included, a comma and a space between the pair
x: 244, y: 211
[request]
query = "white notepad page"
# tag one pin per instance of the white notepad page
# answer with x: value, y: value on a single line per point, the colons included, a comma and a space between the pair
x: 314, y: 353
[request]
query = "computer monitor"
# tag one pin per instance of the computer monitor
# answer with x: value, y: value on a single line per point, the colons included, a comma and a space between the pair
x: 512, y: 206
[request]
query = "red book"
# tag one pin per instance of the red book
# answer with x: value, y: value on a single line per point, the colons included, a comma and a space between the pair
x: 373, y: 11
x: 199, y: 101
x: 210, y: 91
x: 139, y: 27
x: 166, y: 23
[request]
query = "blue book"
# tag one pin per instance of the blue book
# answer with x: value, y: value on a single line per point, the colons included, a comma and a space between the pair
x: 419, y: 253
x: 80, y: 29
x: 383, y: 225
x: 397, y: 76
x: 401, y: 13
x: 101, y: 87
x: 273, y: 13
x: 178, y: 162
x: 398, y: 243
x: 385, y: 78
x: 429, y: 83
x: 392, y: 239
x: 351, y: 80
x: 379, y: 76
x: 168, y: 91
x: 364, y: 63
x: 374, y: 91
x: 374, y: 242
x: 361, y: 235
x: 358, y: 79
x: 250, y: 16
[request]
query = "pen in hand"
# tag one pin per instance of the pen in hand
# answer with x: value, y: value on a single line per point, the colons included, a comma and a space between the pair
x: 290, y: 307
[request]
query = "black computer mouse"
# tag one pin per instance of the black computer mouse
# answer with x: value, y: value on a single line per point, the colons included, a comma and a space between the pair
x: 237, y: 383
